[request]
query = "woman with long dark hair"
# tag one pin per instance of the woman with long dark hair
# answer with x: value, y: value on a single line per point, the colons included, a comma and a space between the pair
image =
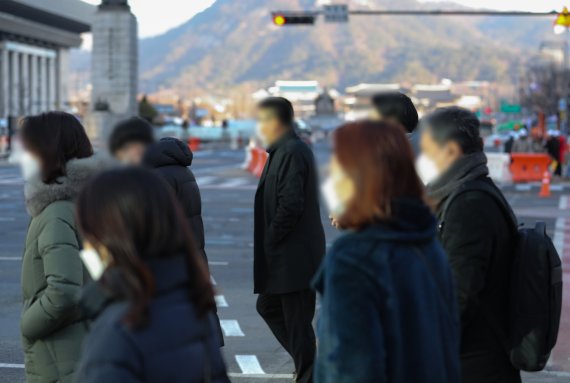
x: 157, y: 323
x: 56, y: 161
x: 388, y: 310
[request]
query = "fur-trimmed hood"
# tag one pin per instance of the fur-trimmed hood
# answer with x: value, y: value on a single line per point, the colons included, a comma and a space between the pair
x: 40, y: 195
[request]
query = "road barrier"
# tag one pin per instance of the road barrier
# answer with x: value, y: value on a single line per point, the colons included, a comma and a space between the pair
x: 257, y: 158
x: 194, y: 144
x: 529, y: 167
x: 499, y: 167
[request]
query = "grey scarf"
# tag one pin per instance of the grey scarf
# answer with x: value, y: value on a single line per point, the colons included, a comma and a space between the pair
x: 467, y: 168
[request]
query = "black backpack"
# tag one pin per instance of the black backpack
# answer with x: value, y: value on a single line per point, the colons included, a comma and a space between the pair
x: 536, y: 287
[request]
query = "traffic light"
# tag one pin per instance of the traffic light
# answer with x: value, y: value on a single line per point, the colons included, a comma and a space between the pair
x: 287, y: 18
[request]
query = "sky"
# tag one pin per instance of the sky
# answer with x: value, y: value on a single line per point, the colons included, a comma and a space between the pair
x: 156, y: 17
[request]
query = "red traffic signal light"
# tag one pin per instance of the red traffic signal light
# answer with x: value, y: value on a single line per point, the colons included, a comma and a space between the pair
x: 282, y: 19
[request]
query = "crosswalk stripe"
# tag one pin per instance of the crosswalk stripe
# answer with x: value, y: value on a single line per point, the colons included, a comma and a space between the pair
x: 234, y: 183
x: 11, y: 365
x: 221, y: 301
x: 260, y: 376
x: 249, y: 364
x: 206, y: 180
x: 231, y: 327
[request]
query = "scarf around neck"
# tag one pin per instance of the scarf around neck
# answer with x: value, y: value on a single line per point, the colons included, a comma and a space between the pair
x: 467, y: 168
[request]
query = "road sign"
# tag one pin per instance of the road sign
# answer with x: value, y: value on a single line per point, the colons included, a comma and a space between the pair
x: 336, y: 13
x: 510, y: 108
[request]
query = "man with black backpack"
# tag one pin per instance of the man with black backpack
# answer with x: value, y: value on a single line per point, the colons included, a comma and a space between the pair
x: 507, y: 281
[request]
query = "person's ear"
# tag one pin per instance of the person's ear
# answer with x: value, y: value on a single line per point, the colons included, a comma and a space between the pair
x: 454, y: 150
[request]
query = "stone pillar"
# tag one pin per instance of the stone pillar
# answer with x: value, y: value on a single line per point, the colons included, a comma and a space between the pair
x: 44, y: 84
x: 25, y: 83
x: 4, y: 83
x: 14, y: 84
x: 52, y: 84
x: 114, y: 68
x: 62, y: 74
x: 34, y: 85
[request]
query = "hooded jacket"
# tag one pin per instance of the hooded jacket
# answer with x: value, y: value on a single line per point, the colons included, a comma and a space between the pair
x: 171, y: 159
x: 52, y: 275
x: 388, y: 308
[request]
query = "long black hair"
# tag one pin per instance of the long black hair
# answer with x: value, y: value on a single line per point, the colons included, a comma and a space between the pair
x: 133, y: 213
x: 56, y: 138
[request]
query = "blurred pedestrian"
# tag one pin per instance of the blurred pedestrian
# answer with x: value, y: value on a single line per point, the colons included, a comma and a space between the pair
x: 289, y: 239
x: 129, y: 140
x: 522, y: 144
x: 399, y: 109
x: 157, y: 323
x: 553, y: 149
x: 388, y: 308
x: 56, y: 162
x: 478, y: 238
x: 132, y: 142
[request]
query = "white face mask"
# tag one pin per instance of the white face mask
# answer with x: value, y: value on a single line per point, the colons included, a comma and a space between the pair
x: 29, y: 165
x: 93, y: 263
x: 426, y: 168
x: 334, y: 203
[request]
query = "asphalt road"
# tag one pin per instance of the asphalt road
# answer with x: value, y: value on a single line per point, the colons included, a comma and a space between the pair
x: 252, y: 355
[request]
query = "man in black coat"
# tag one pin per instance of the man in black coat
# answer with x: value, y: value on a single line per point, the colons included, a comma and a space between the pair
x: 289, y: 239
x: 479, y: 239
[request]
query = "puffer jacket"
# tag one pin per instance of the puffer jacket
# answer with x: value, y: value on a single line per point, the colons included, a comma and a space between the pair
x: 176, y: 345
x: 171, y: 158
x: 51, y: 326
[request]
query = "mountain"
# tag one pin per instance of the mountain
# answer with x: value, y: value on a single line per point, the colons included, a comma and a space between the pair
x: 234, y: 42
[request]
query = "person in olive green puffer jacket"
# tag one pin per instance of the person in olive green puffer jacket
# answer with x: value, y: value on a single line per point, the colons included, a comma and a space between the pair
x: 56, y: 162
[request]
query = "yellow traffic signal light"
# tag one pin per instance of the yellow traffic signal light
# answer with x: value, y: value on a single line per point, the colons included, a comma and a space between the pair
x: 279, y: 20
x: 293, y: 18
x: 562, y: 22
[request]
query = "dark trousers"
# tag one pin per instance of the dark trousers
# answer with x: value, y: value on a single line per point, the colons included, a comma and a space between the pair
x: 290, y: 317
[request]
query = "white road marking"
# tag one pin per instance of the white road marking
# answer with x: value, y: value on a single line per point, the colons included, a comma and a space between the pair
x: 557, y: 188
x: 558, y: 239
x: 563, y: 204
x: 218, y: 263
x: 249, y: 365
x: 206, y: 180
x: 212, y: 280
x: 10, y: 258
x: 234, y: 183
x: 260, y: 376
x: 11, y: 365
x: 230, y: 327
x: 221, y: 301
x: 523, y: 187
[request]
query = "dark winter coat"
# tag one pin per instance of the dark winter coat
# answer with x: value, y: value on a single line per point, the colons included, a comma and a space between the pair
x: 479, y: 243
x: 388, y: 307
x: 289, y: 240
x: 175, y: 346
x: 171, y: 159
x: 52, y: 276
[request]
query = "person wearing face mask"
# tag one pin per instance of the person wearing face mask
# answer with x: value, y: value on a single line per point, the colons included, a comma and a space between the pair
x: 56, y: 162
x: 155, y: 321
x: 396, y: 108
x: 477, y: 236
x: 388, y: 306
x: 289, y: 240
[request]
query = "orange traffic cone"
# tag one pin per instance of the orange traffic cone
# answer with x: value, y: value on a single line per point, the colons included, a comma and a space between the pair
x: 545, y: 188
